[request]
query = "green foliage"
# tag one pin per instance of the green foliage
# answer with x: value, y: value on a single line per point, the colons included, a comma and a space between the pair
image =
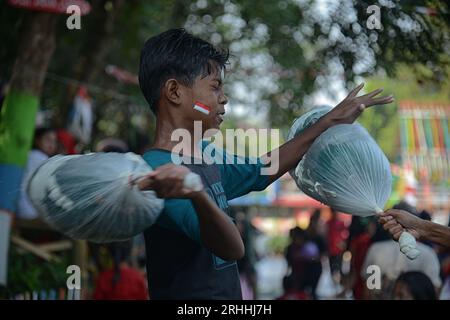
x: 27, y: 272
x: 283, y: 50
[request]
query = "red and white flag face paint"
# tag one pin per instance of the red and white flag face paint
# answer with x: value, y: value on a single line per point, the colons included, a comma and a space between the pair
x: 203, y: 108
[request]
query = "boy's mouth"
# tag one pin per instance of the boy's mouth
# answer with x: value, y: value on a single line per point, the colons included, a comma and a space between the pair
x: 220, y: 117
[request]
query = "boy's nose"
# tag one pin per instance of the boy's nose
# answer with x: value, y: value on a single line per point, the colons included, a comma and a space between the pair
x: 223, y: 99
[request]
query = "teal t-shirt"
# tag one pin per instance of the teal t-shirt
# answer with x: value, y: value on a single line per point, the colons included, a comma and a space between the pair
x: 178, y: 266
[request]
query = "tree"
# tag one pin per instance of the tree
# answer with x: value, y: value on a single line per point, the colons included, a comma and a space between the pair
x: 17, y: 118
x: 308, y: 45
x: 18, y: 111
x: 283, y: 50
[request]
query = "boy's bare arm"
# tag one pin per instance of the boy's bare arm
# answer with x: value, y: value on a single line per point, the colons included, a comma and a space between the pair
x: 290, y: 153
x: 217, y: 232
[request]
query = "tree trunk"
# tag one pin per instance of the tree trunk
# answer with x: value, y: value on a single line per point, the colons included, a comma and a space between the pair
x: 36, y: 47
x: 18, y: 113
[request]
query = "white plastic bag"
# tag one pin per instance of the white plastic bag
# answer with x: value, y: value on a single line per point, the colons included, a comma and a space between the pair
x: 345, y: 169
x: 90, y: 196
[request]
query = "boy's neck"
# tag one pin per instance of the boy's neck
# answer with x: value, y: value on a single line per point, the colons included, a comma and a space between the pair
x: 163, y: 137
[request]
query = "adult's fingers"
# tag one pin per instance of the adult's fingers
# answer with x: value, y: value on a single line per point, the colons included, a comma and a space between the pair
x: 396, y: 230
x: 397, y: 235
x: 390, y: 224
x: 384, y: 219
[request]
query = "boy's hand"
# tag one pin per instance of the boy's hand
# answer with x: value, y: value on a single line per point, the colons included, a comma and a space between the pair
x: 168, y: 181
x: 217, y: 231
x: 352, y: 106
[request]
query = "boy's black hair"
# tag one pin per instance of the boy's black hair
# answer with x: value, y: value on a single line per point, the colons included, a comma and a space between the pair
x: 179, y: 55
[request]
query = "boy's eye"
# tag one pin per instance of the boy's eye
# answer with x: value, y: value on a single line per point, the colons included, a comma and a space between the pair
x: 216, y: 85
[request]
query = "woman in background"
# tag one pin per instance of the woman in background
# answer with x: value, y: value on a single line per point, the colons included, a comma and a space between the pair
x: 44, y: 146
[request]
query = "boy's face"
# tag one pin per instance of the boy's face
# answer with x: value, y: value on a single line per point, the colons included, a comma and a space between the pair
x: 207, y: 93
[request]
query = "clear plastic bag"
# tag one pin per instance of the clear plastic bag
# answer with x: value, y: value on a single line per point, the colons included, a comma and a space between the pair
x: 345, y: 169
x: 91, y: 196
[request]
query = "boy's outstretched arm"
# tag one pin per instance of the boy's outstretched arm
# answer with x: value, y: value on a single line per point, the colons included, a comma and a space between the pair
x: 217, y: 231
x: 290, y: 153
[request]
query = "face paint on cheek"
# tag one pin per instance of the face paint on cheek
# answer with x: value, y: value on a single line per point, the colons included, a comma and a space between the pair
x: 203, y: 108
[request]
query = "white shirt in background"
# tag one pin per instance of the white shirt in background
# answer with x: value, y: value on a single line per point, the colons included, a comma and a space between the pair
x: 392, y: 263
x: 25, y: 209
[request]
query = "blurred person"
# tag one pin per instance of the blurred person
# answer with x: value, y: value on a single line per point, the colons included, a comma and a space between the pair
x: 67, y: 143
x: 445, y: 272
x: 111, y: 145
x: 359, y: 243
x: 414, y: 285
x: 291, y: 292
x: 121, y: 282
x: 303, y: 258
x: 397, y: 221
x: 424, y: 215
x: 385, y: 253
x: 404, y: 205
x: 44, y: 146
x: 246, y: 265
x: 336, y: 237
x: 444, y: 256
x: 316, y: 232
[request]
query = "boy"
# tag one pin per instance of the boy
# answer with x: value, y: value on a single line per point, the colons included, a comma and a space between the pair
x: 193, y: 247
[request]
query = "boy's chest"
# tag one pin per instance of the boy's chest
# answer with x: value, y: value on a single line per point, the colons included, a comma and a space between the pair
x: 211, y: 178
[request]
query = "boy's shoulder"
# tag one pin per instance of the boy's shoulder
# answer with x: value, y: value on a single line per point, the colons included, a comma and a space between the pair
x: 157, y: 157
x: 210, y: 152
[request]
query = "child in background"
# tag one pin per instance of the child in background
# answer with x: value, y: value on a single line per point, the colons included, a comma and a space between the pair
x: 44, y: 146
x: 414, y: 285
x: 122, y: 282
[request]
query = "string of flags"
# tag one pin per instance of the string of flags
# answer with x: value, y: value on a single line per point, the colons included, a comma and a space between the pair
x: 425, y: 139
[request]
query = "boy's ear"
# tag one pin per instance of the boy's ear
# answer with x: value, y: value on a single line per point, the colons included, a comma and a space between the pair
x: 173, y: 91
